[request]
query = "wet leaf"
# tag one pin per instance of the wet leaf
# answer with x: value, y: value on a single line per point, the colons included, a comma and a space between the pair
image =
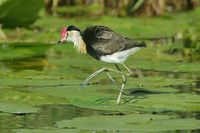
x: 34, y: 75
x: 25, y: 95
x: 15, y: 108
x: 134, y: 122
x: 21, y: 9
x: 103, y: 97
x: 45, y: 130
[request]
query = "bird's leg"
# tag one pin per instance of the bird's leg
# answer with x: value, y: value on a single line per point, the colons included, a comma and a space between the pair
x: 98, y: 72
x: 112, y: 79
x: 122, y: 86
x: 122, y: 89
x: 130, y: 72
x: 92, y: 76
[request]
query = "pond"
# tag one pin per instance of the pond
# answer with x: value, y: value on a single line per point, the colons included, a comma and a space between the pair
x: 40, y: 92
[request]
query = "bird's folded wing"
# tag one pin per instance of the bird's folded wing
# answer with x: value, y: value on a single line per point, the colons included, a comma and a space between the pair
x: 109, y: 42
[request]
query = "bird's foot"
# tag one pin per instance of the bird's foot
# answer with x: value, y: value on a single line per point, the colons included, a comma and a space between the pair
x: 86, y: 81
x: 130, y: 74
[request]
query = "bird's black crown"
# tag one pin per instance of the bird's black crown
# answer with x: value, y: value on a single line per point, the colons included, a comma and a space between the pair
x: 72, y: 27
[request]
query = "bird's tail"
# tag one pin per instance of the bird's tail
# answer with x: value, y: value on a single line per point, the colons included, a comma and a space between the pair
x: 141, y: 44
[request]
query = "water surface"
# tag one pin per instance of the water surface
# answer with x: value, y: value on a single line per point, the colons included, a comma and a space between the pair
x: 40, y: 92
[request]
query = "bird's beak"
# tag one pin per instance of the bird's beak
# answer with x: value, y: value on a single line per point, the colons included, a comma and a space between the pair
x: 60, y: 41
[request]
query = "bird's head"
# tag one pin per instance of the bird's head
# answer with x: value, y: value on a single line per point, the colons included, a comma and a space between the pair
x: 70, y: 33
x: 73, y: 34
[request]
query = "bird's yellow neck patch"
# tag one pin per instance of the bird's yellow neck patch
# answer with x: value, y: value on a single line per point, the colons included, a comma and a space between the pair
x: 82, y: 47
x: 76, y: 38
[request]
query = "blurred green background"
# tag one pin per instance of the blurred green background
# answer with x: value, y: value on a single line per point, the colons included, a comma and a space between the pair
x: 40, y: 81
x: 154, y: 20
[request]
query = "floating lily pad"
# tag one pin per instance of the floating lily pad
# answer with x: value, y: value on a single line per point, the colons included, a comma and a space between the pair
x: 4, y: 114
x: 34, y: 75
x: 103, y: 97
x: 15, y: 108
x: 131, y: 123
x: 37, y: 82
x: 14, y: 51
x: 21, y: 14
x: 27, y: 96
x: 45, y: 131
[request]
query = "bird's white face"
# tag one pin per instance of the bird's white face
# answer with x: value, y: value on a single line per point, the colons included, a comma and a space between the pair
x: 73, y: 36
x: 70, y: 36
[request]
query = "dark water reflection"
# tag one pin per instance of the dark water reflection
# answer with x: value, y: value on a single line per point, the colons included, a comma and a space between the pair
x: 168, y: 74
x: 50, y: 114
x: 191, y: 88
x: 47, y: 117
x: 28, y: 63
x: 180, y: 114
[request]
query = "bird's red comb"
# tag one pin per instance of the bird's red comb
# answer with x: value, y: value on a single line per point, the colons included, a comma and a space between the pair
x: 63, y: 32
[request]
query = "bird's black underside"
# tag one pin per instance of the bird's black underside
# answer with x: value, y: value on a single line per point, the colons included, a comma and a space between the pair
x: 101, y: 40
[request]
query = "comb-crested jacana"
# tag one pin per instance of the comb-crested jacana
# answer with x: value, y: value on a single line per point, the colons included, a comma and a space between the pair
x: 103, y: 44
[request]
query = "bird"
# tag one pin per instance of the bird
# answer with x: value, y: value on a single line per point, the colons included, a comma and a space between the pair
x: 103, y: 44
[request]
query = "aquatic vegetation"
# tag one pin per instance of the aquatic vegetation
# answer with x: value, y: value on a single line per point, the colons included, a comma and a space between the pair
x: 40, y: 81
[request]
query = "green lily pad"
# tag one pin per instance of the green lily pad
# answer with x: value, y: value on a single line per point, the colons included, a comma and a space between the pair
x: 37, y: 82
x: 103, y: 97
x: 11, y: 51
x: 25, y: 96
x: 131, y: 123
x: 4, y: 114
x: 23, y: 9
x: 33, y: 75
x: 45, y: 130
x: 15, y: 108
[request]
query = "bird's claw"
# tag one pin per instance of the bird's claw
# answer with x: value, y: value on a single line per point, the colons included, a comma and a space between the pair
x: 83, y: 85
x: 86, y: 81
x: 130, y: 74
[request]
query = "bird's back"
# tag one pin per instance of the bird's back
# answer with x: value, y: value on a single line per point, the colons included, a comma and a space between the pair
x: 101, y: 40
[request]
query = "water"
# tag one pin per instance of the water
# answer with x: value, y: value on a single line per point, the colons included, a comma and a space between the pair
x: 40, y: 84
x: 46, y: 117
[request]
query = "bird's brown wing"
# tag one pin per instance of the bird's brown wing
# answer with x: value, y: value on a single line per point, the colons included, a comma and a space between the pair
x: 108, y: 42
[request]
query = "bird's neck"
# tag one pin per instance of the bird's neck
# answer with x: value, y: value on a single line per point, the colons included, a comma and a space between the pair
x: 79, y: 43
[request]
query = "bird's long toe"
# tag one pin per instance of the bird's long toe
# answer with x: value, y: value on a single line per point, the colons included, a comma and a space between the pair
x: 85, y: 82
